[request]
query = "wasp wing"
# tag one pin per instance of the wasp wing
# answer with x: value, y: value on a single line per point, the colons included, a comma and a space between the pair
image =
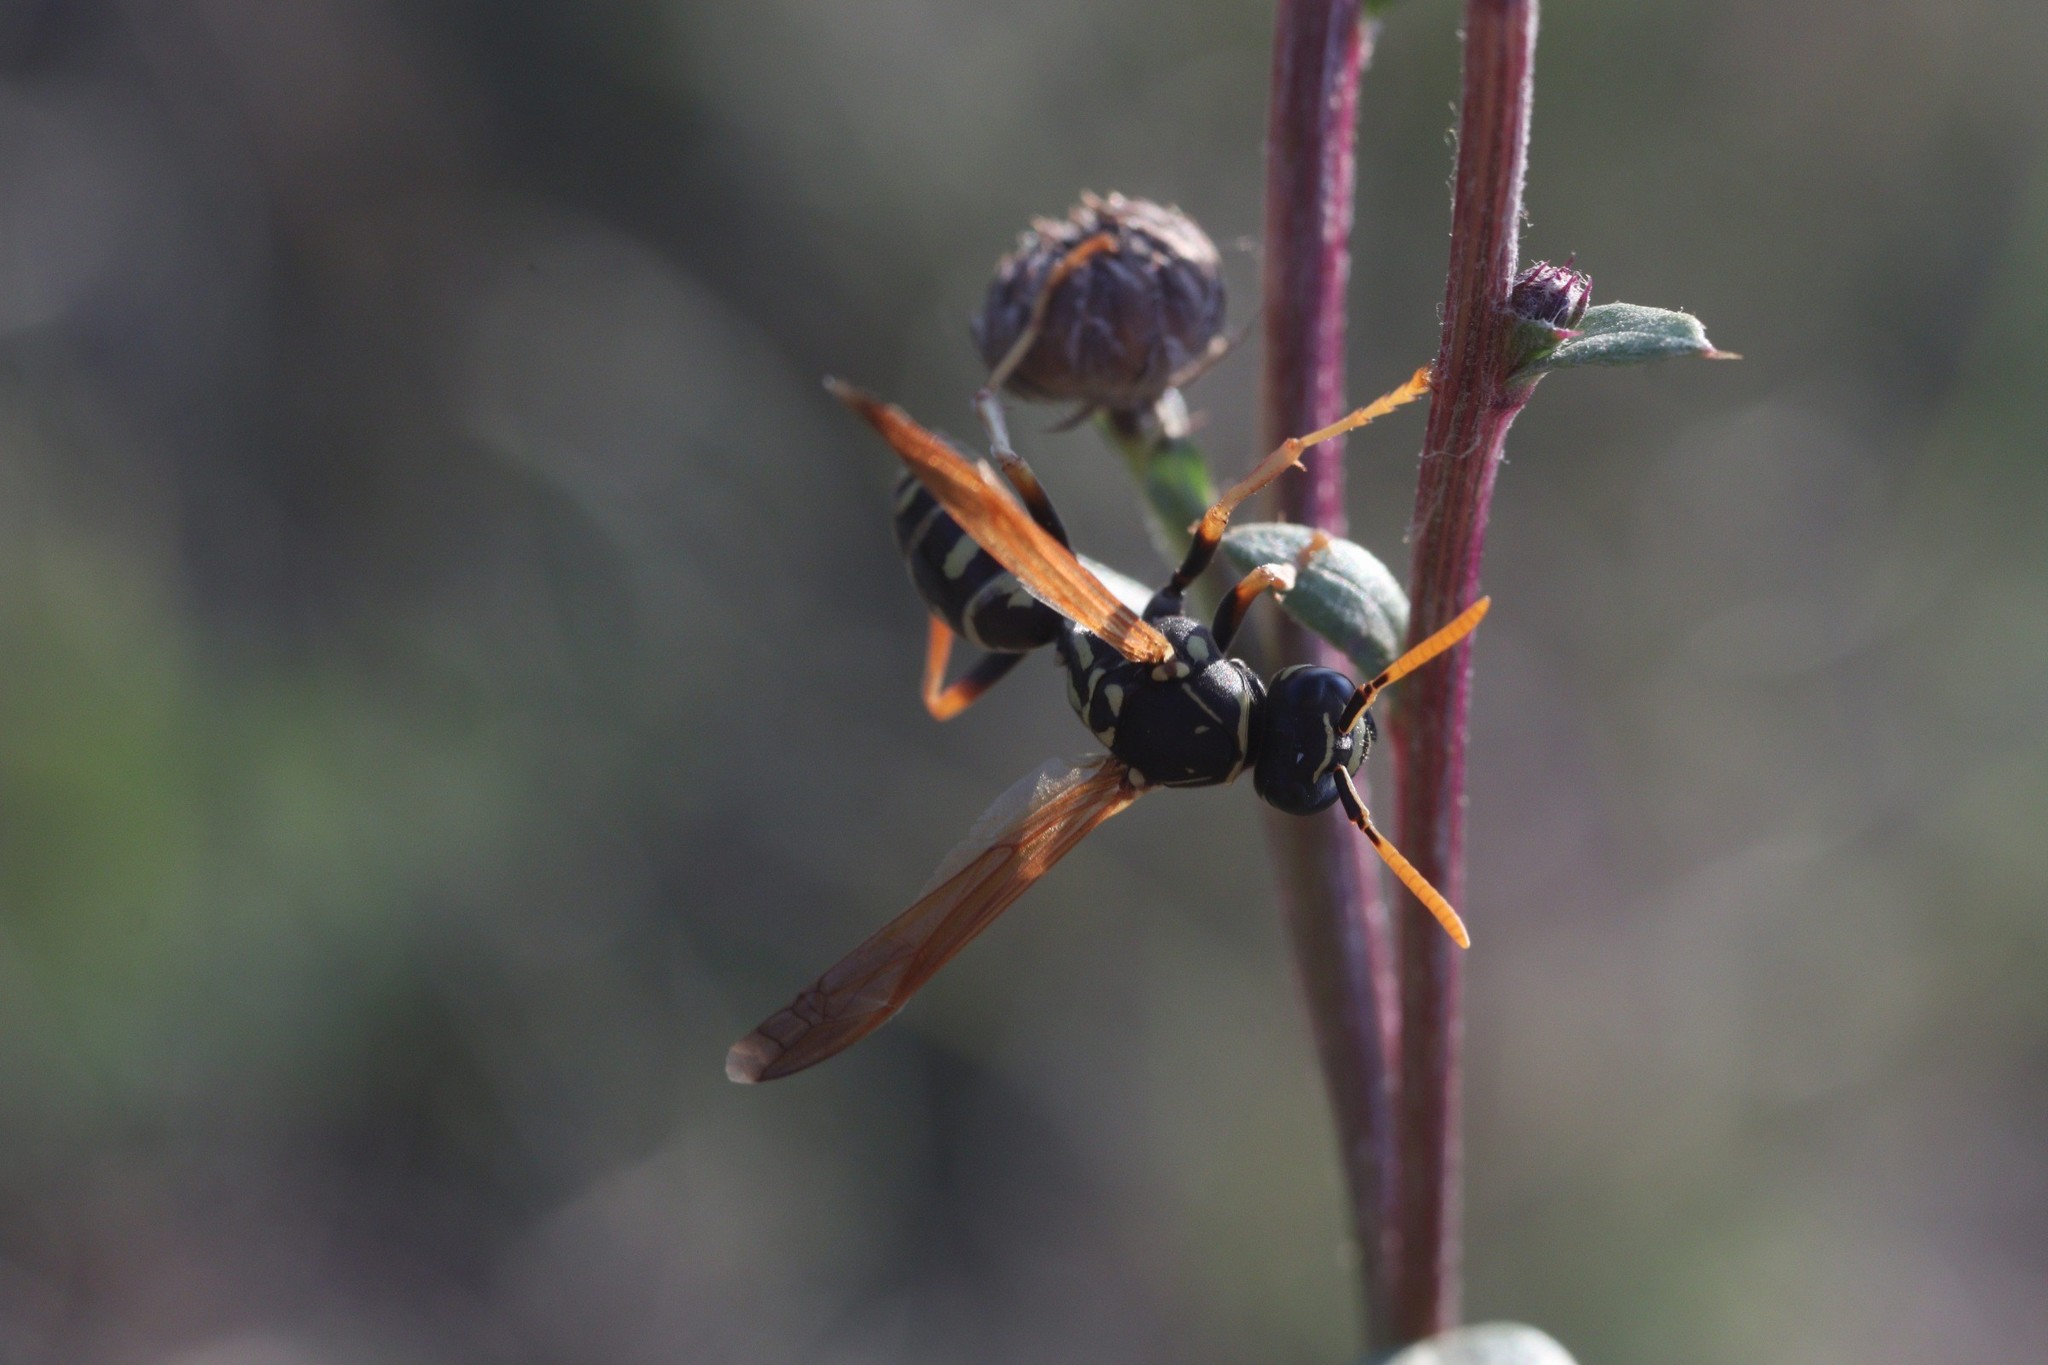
x: 1030, y: 827
x: 973, y: 495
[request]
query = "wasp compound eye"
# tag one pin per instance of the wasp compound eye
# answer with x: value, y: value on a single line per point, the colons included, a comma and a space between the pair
x: 1297, y: 766
x: 1120, y: 320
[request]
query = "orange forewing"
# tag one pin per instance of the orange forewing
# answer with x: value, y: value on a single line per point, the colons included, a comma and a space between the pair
x: 1029, y: 828
x: 974, y: 496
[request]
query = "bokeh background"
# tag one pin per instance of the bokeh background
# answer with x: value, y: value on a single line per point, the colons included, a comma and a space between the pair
x: 455, y: 678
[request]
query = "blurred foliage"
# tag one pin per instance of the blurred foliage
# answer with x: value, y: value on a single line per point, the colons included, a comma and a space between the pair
x: 457, y: 679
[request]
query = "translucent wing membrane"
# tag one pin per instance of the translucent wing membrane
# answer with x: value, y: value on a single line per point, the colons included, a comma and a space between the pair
x: 1030, y: 827
x: 974, y: 496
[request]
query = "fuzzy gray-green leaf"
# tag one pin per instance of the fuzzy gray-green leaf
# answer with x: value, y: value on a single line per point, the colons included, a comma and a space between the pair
x: 1628, y: 334
x: 1343, y: 593
x: 1491, y: 1343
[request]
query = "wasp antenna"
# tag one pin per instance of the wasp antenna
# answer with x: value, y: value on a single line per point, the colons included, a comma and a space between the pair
x: 1459, y: 627
x: 1432, y: 899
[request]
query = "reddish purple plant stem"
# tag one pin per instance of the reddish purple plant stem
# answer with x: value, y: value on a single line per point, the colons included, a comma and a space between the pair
x: 1472, y: 405
x: 1329, y: 884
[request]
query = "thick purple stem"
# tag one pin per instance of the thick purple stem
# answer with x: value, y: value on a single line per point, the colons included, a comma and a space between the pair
x: 1329, y: 884
x: 1472, y: 405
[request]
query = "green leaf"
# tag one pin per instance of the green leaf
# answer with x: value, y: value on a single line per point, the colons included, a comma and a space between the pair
x: 1343, y: 593
x: 1628, y: 334
x: 1492, y: 1343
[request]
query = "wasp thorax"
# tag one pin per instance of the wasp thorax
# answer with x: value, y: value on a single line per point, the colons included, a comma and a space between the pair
x: 1124, y: 322
x: 1192, y: 721
x: 1302, y: 749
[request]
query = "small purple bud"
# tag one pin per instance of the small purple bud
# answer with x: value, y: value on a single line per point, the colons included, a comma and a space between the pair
x: 1554, y: 295
x: 1124, y: 323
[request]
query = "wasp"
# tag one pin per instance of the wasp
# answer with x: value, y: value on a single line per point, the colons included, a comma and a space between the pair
x: 1157, y: 688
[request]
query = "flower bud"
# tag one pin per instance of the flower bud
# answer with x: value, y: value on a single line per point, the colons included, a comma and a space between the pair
x: 1123, y: 323
x: 1555, y: 295
x: 1547, y: 302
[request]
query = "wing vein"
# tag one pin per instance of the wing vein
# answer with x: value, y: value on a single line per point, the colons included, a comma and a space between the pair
x: 974, y: 495
x: 1025, y: 833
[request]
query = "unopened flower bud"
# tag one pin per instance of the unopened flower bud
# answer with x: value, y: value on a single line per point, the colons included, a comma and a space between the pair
x: 1123, y: 322
x: 1547, y: 302
x: 1555, y: 295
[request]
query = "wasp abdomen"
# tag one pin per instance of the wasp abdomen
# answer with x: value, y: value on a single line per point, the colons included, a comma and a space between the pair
x: 978, y: 598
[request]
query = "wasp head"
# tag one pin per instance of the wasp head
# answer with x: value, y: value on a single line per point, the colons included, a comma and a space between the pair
x: 1301, y: 749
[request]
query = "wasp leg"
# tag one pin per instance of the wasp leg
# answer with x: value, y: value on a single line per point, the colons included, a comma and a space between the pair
x: 1057, y: 276
x: 1212, y: 355
x: 1229, y: 616
x: 988, y: 403
x: 1029, y: 490
x: 1432, y: 900
x: 1208, y: 532
x: 946, y: 702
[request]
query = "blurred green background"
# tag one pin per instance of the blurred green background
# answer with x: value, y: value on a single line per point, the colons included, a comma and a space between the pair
x: 455, y: 678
